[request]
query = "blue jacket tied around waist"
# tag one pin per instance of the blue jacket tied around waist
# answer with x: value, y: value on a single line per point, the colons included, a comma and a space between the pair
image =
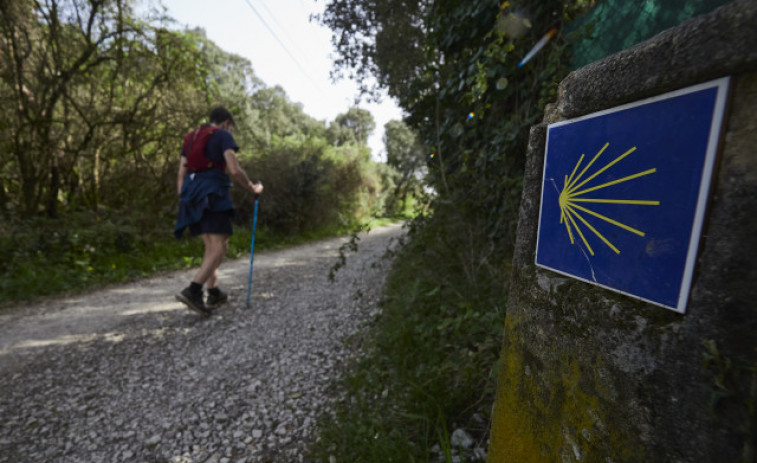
x: 201, y: 191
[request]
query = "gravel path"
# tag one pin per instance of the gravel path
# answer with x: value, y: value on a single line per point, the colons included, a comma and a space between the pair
x: 128, y: 374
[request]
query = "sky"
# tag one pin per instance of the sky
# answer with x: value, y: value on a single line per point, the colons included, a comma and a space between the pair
x: 286, y: 49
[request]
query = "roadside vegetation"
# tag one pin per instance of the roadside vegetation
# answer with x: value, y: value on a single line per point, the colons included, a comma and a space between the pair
x: 96, y: 102
x: 424, y: 389
x: 41, y: 258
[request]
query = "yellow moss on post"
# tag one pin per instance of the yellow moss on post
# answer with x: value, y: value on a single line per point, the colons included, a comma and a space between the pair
x: 557, y: 412
x: 513, y: 432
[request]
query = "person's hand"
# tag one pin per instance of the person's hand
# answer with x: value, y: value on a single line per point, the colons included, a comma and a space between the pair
x: 256, y: 187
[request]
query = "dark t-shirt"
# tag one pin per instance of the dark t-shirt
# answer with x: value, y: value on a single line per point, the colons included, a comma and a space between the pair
x: 219, y: 142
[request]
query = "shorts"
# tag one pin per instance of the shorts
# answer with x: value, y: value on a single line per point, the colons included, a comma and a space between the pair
x: 214, y: 223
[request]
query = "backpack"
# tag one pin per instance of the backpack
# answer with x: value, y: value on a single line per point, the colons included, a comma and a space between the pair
x: 195, y: 143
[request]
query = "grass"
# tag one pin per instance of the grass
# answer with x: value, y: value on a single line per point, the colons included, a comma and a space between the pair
x: 40, y: 258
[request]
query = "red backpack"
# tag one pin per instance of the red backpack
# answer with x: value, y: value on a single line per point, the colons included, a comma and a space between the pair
x: 194, y: 149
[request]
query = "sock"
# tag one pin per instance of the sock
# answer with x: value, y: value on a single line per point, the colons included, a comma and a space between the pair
x: 195, y: 287
x: 214, y: 291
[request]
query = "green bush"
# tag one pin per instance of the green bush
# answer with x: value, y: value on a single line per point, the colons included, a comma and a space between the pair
x: 312, y: 187
x: 41, y: 256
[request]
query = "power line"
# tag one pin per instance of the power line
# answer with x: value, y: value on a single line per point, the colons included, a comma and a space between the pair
x: 284, y: 30
x: 280, y: 42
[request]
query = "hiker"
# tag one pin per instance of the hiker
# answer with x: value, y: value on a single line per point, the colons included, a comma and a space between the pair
x: 205, y: 204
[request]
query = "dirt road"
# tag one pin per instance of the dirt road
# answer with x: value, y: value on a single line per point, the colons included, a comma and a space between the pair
x: 129, y: 374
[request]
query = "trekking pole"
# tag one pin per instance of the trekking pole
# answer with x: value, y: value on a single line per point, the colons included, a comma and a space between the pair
x: 252, y: 248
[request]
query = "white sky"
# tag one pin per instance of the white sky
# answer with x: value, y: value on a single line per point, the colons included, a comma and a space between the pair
x: 234, y: 26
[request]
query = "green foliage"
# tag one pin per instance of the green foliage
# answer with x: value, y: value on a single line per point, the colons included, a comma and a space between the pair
x: 352, y: 127
x: 407, y: 155
x: 38, y: 257
x: 350, y: 245
x: 393, y: 53
x: 98, y: 102
x: 454, y: 68
x: 275, y: 121
x: 435, y: 345
x: 94, y: 101
x: 313, y: 186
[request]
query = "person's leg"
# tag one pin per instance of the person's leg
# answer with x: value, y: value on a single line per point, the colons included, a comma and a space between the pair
x: 215, y: 229
x: 212, y: 281
x: 216, y: 297
x: 215, y: 250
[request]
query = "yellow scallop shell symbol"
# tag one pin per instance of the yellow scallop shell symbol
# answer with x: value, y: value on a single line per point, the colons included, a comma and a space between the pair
x: 574, y: 193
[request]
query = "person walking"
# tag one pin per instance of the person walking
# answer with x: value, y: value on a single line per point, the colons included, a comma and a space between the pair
x: 205, y: 205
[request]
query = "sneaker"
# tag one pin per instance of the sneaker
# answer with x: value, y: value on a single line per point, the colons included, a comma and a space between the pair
x: 193, y: 301
x: 216, y: 298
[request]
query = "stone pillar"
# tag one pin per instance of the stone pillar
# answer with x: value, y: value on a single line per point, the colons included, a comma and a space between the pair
x: 589, y: 375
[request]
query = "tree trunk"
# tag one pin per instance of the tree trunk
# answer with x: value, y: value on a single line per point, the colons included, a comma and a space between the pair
x: 3, y: 200
x: 96, y: 178
x: 52, y: 194
x: 28, y: 187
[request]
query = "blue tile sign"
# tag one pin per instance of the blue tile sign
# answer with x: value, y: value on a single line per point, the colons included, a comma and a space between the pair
x: 624, y: 193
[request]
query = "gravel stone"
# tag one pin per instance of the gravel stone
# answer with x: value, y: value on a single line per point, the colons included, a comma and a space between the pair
x: 129, y: 374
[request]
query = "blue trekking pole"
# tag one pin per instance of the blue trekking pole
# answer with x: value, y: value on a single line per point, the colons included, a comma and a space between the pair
x: 252, y: 248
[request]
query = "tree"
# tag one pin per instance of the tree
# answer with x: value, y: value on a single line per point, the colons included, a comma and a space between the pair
x: 447, y: 81
x: 352, y: 127
x: 95, y: 95
x: 406, y: 154
x: 46, y: 47
x: 383, y: 40
x: 86, y: 79
x: 275, y: 118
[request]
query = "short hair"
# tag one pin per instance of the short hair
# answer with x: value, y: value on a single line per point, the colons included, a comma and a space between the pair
x: 219, y: 114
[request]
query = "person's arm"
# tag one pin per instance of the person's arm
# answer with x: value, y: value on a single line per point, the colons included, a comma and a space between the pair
x: 182, y: 174
x: 236, y: 172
